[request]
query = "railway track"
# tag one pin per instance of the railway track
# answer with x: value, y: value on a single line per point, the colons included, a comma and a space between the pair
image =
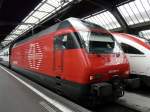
x: 115, y: 107
x: 132, y: 101
x: 137, y: 100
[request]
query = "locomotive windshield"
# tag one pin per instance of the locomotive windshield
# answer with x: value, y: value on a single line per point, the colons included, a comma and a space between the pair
x: 97, y: 42
x: 95, y: 38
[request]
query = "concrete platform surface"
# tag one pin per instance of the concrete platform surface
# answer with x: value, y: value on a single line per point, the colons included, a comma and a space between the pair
x: 18, y: 94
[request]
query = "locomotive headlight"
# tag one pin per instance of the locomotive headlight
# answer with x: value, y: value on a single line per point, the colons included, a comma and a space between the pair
x: 91, y: 77
x: 127, y: 72
x: 96, y: 76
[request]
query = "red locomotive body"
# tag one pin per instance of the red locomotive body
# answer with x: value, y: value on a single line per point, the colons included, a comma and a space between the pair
x: 74, y: 58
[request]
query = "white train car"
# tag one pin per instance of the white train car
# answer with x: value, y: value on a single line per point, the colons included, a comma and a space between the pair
x: 137, y: 51
x: 4, y: 56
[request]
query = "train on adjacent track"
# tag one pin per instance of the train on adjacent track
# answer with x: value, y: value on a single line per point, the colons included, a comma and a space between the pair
x: 75, y: 58
x: 137, y: 51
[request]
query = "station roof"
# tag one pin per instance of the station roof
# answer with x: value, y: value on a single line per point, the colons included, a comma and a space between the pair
x: 20, y: 17
x: 12, y: 12
x: 145, y: 34
x: 134, y: 15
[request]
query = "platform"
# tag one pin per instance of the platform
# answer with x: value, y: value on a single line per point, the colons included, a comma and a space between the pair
x: 18, y: 94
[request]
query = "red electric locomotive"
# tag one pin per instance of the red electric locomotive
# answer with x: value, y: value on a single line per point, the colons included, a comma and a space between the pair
x: 77, y: 59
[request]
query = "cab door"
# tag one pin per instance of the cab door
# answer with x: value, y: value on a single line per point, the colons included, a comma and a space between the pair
x: 58, y: 60
x: 59, y: 48
x: 63, y: 43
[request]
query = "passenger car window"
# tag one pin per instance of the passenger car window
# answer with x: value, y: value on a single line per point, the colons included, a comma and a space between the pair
x: 129, y: 49
x: 6, y: 53
x: 66, y: 41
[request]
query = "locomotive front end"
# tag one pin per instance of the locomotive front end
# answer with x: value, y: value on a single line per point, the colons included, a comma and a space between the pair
x: 108, y: 66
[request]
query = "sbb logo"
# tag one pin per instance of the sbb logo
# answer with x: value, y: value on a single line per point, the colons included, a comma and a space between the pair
x: 35, y: 56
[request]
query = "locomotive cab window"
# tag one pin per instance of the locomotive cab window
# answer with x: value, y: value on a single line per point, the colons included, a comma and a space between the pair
x: 95, y: 39
x: 129, y: 49
x: 100, y: 43
x: 66, y: 41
